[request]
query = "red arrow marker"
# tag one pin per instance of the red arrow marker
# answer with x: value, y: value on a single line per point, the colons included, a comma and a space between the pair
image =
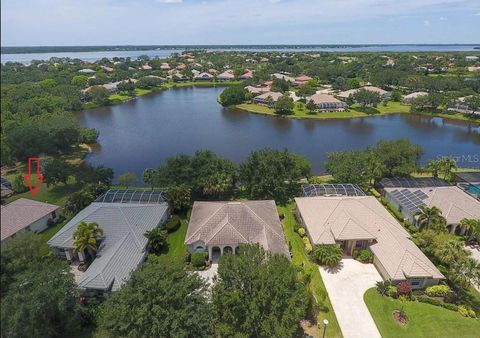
x: 33, y: 190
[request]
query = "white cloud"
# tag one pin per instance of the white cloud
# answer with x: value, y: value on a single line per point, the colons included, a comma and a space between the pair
x: 426, y: 23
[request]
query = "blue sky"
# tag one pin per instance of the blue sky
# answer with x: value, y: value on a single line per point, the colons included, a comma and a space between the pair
x: 108, y: 22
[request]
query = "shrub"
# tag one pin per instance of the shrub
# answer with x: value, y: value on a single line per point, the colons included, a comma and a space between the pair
x: 306, y: 240
x: 187, y: 257
x: 466, y: 311
x: 392, y: 291
x: 365, y: 256
x: 328, y: 254
x: 308, y: 248
x: 383, y: 286
x: 173, y: 223
x: 198, y: 259
x: 437, y: 291
x: 301, y: 231
x: 404, y: 289
x: 436, y: 302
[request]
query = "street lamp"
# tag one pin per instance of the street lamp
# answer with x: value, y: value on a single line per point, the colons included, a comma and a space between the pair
x: 325, y: 323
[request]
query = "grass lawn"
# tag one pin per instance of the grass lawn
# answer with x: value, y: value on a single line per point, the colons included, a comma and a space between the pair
x: 301, y: 259
x: 425, y: 320
x: 175, y: 240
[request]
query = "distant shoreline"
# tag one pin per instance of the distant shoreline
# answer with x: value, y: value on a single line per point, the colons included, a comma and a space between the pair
x: 313, y: 47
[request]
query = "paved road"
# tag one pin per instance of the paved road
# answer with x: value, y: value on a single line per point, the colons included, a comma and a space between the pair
x: 346, y: 287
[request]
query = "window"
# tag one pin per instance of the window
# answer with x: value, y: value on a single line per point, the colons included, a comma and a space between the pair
x: 54, y: 214
x: 416, y: 282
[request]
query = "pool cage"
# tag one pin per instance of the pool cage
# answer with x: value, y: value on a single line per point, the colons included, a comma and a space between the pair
x: 154, y: 196
x: 314, y: 190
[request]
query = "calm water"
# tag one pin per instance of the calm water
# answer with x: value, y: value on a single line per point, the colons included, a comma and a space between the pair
x: 144, y: 132
x: 162, y: 53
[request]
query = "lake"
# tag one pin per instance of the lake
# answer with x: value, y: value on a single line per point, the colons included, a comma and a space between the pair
x: 143, y: 132
x: 26, y: 58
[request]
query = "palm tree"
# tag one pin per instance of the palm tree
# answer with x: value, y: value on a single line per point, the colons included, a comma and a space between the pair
x: 471, y: 225
x: 470, y: 268
x: 434, y: 166
x: 86, y: 238
x: 157, y: 240
x: 447, y: 165
x: 428, y: 218
x: 452, y: 252
x: 328, y: 254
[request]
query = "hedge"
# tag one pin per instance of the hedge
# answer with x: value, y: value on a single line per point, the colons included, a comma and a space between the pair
x: 198, y: 259
x: 436, y: 302
x: 173, y: 224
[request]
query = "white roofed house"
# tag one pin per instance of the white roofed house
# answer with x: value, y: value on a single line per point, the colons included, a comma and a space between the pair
x: 204, y: 77
x: 325, y: 102
x: 412, y: 96
x: 383, y: 93
x: 220, y: 227
x: 124, y: 216
x: 360, y: 222
x: 257, y: 90
x: 226, y: 76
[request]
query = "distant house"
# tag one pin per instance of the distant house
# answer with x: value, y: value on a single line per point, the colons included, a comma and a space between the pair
x: 26, y: 215
x: 267, y: 99
x: 461, y: 106
x: 165, y: 66
x: 247, y: 75
x: 181, y: 66
x: 257, y: 90
x: 473, y: 69
x: 302, y: 79
x: 471, y: 58
x: 124, y: 216
x: 283, y: 77
x: 361, y: 222
x: 412, y: 96
x: 454, y: 203
x: 178, y: 77
x: 87, y: 71
x: 146, y: 67
x: 383, y: 93
x: 325, y: 102
x: 226, y: 76
x: 220, y: 227
x: 204, y: 77
x: 108, y: 69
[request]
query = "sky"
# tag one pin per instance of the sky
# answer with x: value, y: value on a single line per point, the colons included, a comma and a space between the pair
x: 170, y: 22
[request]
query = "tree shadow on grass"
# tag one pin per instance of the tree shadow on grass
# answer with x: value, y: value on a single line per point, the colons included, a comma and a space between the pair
x: 368, y: 110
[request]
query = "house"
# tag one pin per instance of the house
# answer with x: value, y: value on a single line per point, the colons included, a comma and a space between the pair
x: 181, y: 66
x: 220, y: 227
x: 180, y: 77
x: 204, y: 77
x: 325, y: 102
x: 26, y: 215
x: 257, y: 90
x: 247, y: 75
x: 165, y: 66
x: 302, y: 79
x: 409, y: 182
x: 146, y: 67
x: 383, y: 93
x: 469, y: 182
x: 87, y: 71
x: 283, y: 77
x: 473, y: 69
x: 461, y: 106
x: 267, y: 99
x: 408, y: 99
x: 452, y: 201
x: 108, y: 69
x: 471, y: 58
x: 226, y: 76
x: 124, y: 216
x: 361, y: 222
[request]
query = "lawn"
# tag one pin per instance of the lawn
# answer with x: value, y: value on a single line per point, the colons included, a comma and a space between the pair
x: 301, y: 259
x: 425, y: 320
x: 175, y: 240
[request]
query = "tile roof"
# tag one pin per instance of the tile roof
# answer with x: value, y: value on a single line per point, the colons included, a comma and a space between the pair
x: 362, y: 217
x: 324, y: 98
x: 274, y: 95
x: 234, y: 223
x: 21, y: 213
x: 123, y: 247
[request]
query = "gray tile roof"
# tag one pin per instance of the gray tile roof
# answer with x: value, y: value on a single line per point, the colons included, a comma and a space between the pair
x: 234, y: 223
x: 123, y: 247
x: 21, y: 213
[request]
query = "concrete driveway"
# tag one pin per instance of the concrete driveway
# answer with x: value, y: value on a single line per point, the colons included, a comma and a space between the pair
x: 209, y: 273
x: 346, y: 286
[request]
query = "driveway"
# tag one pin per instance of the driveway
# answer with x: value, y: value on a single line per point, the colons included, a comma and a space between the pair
x: 346, y: 286
x: 209, y: 273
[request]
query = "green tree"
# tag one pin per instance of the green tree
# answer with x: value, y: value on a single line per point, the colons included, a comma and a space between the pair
x: 77, y: 201
x: 99, y: 95
x: 350, y: 166
x: 446, y: 166
x: 451, y: 252
x: 179, y: 197
x: 305, y: 90
x: 160, y: 300
x: 86, y: 238
x: 284, y: 105
x: 367, y: 98
x: 19, y: 185
x: 399, y: 157
x: 311, y: 106
x: 127, y: 179
x: 430, y: 218
x: 89, y: 135
x: 396, y: 95
x: 273, y: 174
x: 56, y: 171
x: 157, y: 240
x: 279, y: 85
x: 80, y: 81
x: 232, y: 95
x: 258, y: 294
x: 45, y: 293
x: 328, y: 254
x: 470, y: 226
x: 148, y: 177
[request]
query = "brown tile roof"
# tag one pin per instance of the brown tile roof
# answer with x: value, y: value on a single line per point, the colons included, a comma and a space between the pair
x: 303, y: 78
x: 323, y: 98
x: 328, y: 219
x: 234, y: 223
x: 21, y: 213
